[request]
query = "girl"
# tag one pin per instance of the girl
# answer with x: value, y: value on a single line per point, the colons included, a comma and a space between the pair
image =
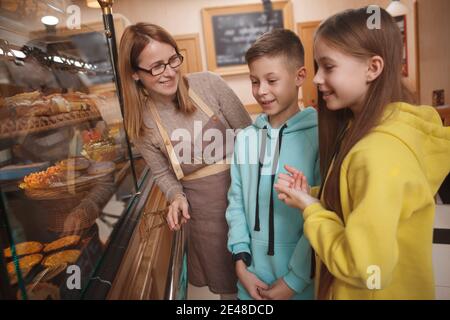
x: 163, y: 112
x: 373, y: 225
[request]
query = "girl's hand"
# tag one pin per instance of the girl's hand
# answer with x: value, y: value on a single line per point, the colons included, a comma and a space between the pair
x: 179, y: 204
x: 293, y: 189
x: 300, y: 182
x: 250, y: 281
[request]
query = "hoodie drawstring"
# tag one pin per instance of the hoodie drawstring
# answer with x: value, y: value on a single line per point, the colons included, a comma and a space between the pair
x: 260, y: 163
x: 271, y: 250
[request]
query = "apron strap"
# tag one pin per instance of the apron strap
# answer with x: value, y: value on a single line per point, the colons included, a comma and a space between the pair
x: 200, y: 103
x: 203, y: 172
x: 207, y: 171
x: 167, y: 143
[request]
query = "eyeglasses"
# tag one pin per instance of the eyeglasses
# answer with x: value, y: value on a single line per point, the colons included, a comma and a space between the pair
x: 173, y: 62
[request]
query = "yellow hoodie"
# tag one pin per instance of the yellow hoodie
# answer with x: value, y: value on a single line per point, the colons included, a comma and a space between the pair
x: 383, y: 248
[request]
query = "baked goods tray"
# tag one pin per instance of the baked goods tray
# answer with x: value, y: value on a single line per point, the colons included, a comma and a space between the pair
x: 62, y: 190
x: 27, y: 125
x: 59, y: 275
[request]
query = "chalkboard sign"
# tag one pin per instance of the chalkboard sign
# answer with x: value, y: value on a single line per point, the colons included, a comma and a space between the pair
x: 234, y: 34
x: 230, y: 31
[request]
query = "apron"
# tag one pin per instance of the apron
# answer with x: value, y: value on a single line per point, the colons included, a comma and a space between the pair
x: 206, y: 187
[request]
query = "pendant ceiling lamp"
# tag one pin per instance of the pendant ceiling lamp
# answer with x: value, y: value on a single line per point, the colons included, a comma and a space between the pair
x: 396, y: 8
x: 92, y: 4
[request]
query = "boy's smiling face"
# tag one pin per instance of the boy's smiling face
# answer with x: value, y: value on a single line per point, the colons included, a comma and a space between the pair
x: 275, y: 84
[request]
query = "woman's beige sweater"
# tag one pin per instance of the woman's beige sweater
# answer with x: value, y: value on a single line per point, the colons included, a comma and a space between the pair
x: 214, y: 91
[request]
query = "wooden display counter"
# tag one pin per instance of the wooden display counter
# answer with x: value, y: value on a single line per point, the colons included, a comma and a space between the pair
x: 144, y: 269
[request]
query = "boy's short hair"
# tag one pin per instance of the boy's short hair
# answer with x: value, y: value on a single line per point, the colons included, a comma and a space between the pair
x: 275, y: 43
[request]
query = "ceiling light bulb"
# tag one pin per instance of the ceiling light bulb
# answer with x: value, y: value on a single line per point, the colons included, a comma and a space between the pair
x: 50, y: 20
x: 396, y: 8
x: 92, y: 4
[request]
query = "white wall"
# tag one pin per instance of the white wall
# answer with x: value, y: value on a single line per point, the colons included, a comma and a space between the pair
x: 184, y: 16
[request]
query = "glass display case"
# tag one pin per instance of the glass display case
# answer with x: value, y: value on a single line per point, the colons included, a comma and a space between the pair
x: 73, y: 190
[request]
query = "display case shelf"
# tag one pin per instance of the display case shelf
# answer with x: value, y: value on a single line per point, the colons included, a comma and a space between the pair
x: 60, y: 115
x: 13, y: 128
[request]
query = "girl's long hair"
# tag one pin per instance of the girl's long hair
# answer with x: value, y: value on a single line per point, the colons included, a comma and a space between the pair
x: 134, y: 39
x: 349, y: 33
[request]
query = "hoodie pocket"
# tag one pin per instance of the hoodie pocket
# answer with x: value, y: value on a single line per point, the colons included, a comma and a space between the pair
x: 270, y: 268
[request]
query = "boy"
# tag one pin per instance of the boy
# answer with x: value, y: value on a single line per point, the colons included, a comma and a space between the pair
x: 272, y: 256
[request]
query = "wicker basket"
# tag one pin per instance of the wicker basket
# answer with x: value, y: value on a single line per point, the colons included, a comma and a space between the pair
x: 63, y: 190
x: 66, y: 192
x: 55, y: 204
x: 55, y: 211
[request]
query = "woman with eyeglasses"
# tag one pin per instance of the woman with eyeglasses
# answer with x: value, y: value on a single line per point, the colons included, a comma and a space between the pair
x: 179, y: 123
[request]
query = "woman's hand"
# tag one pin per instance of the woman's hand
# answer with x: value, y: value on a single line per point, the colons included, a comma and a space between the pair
x: 179, y: 204
x: 250, y: 281
x: 73, y: 223
x: 79, y: 219
x: 293, y: 189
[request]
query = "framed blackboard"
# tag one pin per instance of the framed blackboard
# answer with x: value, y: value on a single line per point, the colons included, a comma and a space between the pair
x: 234, y: 34
x: 230, y: 31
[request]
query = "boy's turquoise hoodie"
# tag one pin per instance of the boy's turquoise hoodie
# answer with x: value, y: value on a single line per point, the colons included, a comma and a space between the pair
x: 279, y: 249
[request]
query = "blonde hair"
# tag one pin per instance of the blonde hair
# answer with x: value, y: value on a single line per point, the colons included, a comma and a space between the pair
x: 134, y: 39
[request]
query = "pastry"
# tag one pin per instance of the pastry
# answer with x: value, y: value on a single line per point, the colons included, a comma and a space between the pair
x: 26, y: 263
x: 79, y: 106
x: 34, y: 104
x: 67, y: 256
x: 78, y: 163
x: 49, y: 273
x: 42, y: 291
x: 20, y: 104
x: 60, y: 105
x: 22, y: 98
x: 79, y: 97
x: 42, y: 179
x: 24, y: 248
x: 102, y: 150
x: 75, y: 96
x: 36, y: 109
x: 62, y: 243
x: 103, y: 167
x: 13, y: 276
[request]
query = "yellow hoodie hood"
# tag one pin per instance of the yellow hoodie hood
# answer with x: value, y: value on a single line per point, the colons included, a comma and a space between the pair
x: 420, y: 128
